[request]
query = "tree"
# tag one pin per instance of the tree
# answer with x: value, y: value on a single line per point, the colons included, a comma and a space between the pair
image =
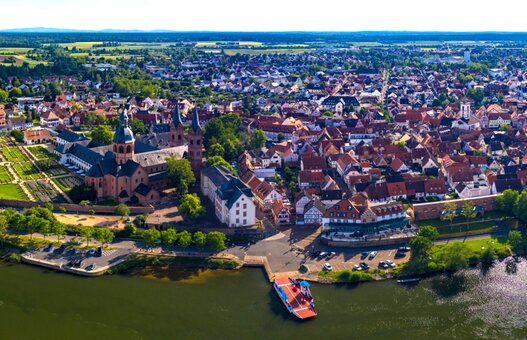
x: 151, y: 236
x: 449, y: 211
x: 216, y: 240
x: 122, y: 209
x: 45, y: 228
x: 31, y: 225
x: 4, y: 95
x: 184, y: 238
x: 488, y: 257
x: 468, y: 210
x: 520, y: 209
x: 17, y: 135
x: 280, y: 137
x: 507, y: 200
x: 258, y: 139
x: 216, y: 149
x: 3, y: 227
x: 169, y: 236
x: 429, y: 232
x: 59, y: 229
x: 82, y: 192
x: 191, y: 207
x: 103, y: 235
x: 456, y: 257
x: 200, y: 239
x: 219, y: 161
x: 15, y: 92
x: 516, y: 241
x: 87, y: 233
x: 102, y: 135
x: 420, y: 247
x: 138, y: 127
x: 180, y: 174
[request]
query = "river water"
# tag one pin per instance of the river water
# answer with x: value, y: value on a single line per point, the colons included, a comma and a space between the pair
x: 190, y: 304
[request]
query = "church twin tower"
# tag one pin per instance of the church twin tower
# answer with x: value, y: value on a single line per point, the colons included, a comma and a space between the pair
x: 124, y: 141
x: 194, y: 138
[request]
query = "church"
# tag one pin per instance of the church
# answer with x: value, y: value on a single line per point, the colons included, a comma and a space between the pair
x: 135, y: 171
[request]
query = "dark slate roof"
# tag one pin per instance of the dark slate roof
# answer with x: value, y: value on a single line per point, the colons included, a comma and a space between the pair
x: 195, y: 125
x: 176, y: 116
x: 330, y: 195
x: 84, y: 153
x: 110, y: 167
x: 143, y: 189
x: 70, y: 136
x: 160, y: 128
x: 511, y: 183
x: 140, y: 147
x: 233, y: 189
x: 217, y: 175
x: 123, y: 194
x: 157, y: 176
x: 123, y: 133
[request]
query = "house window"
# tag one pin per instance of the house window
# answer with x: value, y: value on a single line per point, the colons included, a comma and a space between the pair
x: 244, y: 221
x: 244, y: 214
x: 245, y: 206
x: 237, y: 212
x: 237, y: 204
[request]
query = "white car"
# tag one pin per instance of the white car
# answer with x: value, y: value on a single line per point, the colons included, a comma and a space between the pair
x: 391, y: 264
x: 357, y: 268
x: 372, y: 255
x: 328, y: 267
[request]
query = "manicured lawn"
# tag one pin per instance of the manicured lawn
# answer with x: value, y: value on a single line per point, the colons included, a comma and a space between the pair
x: 27, y: 171
x: 5, y: 176
x: 12, y: 192
x: 14, y: 155
x: 474, y: 248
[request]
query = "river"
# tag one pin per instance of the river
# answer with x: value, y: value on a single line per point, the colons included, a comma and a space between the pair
x: 190, y: 304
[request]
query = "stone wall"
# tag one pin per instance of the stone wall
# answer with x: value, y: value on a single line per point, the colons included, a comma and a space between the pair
x: 431, y: 210
x: 99, y: 209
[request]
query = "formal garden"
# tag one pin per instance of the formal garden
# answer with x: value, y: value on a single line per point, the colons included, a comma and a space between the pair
x: 42, y: 191
x: 14, y: 154
x: 12, y: 192
x: 27, y: 171
x: 5, y: 175
x: 41, y: 152
x: 67, y: 182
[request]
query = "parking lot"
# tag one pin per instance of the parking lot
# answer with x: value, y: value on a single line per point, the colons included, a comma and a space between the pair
x: 345, y: 259
x: 79, y: 258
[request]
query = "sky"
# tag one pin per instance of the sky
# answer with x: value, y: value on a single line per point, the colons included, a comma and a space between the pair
x: 268, y: 15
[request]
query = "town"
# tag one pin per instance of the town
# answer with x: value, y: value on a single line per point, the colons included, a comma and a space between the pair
x: 328, y: 152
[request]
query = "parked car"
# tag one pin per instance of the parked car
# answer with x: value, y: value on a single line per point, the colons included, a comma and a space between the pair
x: 383, y: 265
x: 48, y: 248
x: 98, y: 253
x: 364, y: 265
x: 315, y: 254
x: 372, y: 255
x: 303, y: 269
x: 90, y: 267
x: 391, y: 264
x: 71, y: 251
x: 399, y: 254
x: 330, y: 255
x: 357, y: 267
x: 364, y: 255
x: 60, y: 250
x: 404, y: 249
x: 91, y: 252
x: 328, y: 267
x: 322, y: 255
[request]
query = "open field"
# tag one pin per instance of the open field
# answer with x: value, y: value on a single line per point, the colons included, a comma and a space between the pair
x: 12, y: 192
x: 14, y: 50
x: 268, y: 51
x: 14, y: 154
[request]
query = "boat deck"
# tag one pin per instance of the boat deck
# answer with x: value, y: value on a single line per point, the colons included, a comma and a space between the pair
x: 299, y: 304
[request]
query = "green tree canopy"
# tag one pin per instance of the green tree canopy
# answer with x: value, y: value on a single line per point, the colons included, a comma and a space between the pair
x: 122, y: 210
x: 429, y: 232
x: 184, y: 238
x: 151, y: 236
x: 180, y: 174
x: 258, y: 139
x: 200, y: 239
x: 218, y: 160
x: 216, y: 240
x: 191, y: 207
x: 102, y: 135
x: 168, y: 236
